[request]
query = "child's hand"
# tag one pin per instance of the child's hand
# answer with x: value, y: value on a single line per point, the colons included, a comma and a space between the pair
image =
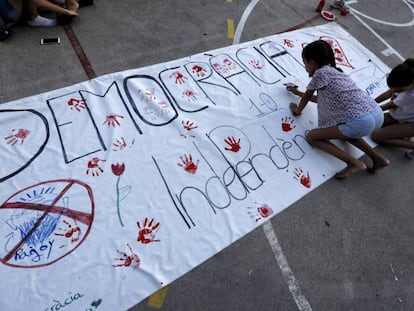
x: 290, y: 86
x: 294, y: 109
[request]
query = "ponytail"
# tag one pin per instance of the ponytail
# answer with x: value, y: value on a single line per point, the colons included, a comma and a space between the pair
x: 321, y: 53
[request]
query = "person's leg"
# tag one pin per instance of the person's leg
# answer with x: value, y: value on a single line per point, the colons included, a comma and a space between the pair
x: 319, y: 138
x: 388, y: 120
x: 9, y: 15
x: 8, y: 12
x: 394, y: 135
x: 72, y: 5
x: 360, y: 127
x: 30, y: 8
x: 378, y: 160
x: 49, y: 6
x: 33, y: 17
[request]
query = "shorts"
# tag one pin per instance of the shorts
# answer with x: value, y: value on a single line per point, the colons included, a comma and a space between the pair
x: 364, y: 125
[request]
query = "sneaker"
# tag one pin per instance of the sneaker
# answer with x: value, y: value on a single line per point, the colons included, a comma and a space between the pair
x: 341, y: 6
x: 41, y: 21
x: 410, y: 154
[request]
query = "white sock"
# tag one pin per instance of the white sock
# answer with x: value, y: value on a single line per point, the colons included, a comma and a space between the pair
x: 41, y: 21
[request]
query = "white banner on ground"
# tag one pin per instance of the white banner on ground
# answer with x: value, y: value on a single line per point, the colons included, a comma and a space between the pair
x: 113, y: 188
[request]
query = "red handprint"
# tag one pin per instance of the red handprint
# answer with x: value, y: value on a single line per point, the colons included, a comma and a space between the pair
x: 74, y: 233
x: 229, y: 64
x: 150, y: 93
x: 188, y: 125
x: 288, y: 43
x: 94, y: 168
x: 260, y: 212
x: 265, y: 211
x: 119, y: 144
x: 165, y: 108
x: 112, y: 120
x: 255, y: 64
x: 191, y: 96
x: 77, y: 104
x: 179, y: 77
x: 217, y: 66
x: 19, y: 136
x: 234, y: 145
x: 188, y: 164
x: 147, y: 233
x: 200, y: 71
x: 287, y: 124
x: 304, y: 180
x: 128, y: 260
x: 340, y: 56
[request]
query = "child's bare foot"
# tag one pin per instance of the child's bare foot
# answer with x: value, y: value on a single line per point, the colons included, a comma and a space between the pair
x: 350, y: 169
x: 379, y: 164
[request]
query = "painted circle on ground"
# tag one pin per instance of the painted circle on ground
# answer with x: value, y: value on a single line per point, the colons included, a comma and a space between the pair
x: 45, y: 222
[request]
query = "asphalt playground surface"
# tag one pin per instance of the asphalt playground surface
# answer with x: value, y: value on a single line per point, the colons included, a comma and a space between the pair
x: 347, y: 245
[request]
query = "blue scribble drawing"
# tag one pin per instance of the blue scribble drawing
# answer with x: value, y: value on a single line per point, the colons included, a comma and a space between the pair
x: 24, y: 221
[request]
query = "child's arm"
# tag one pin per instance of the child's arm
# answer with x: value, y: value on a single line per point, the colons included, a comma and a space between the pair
x: 305, y: 98
x: 294, y: 90
x: 386, y: 95
x: 388, y: 106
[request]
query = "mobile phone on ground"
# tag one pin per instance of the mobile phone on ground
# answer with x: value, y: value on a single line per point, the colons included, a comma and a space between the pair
x: 50, y: 40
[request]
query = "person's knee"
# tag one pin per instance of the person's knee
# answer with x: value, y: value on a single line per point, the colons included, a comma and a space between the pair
x: 311, y: 137
x: 376, y: 136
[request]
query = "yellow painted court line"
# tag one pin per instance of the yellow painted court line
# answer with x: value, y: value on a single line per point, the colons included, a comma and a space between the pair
x: 230, y: 1
x: 230, y: 28
x: 156, y: 300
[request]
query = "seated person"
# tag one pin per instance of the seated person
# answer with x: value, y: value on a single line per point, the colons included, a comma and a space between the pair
x: 10, y: 11
x: 33, y: 7
x: 398, y: 125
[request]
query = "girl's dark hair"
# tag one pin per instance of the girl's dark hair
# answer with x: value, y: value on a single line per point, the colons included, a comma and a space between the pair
x: 409, y: 62
x: 402, y: 75
x: 321, y: 53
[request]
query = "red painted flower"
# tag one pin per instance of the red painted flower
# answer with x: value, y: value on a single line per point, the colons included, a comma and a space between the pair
x: 118, y: 169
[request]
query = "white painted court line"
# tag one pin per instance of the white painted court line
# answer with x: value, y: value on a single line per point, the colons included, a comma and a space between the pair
x: 407, y: 24
x: 389, y: 47
x: 300, y: 300
x: 243, y: 20
x: 389, y: 50
x: 287, y: 273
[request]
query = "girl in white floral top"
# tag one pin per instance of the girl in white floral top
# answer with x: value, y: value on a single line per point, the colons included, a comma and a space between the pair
x: 398, y: 125
x: 345, y: 111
